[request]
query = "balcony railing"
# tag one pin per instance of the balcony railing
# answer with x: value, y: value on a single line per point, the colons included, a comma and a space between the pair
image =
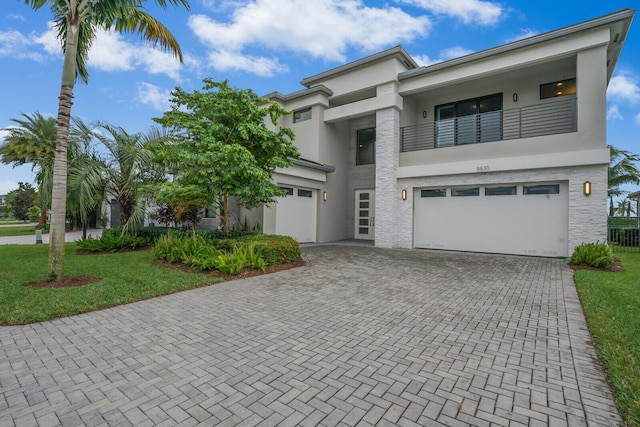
x: 549, y: 118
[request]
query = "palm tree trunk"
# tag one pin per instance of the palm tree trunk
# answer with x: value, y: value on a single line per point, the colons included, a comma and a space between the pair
x: 59, y: 192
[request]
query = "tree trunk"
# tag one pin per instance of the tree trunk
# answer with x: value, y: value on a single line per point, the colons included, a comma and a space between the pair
x: 59, y: 192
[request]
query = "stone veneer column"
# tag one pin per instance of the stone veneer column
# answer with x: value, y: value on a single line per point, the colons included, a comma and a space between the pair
x: 387, y: 158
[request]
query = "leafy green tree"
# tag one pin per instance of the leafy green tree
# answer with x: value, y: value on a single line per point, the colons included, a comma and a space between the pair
x: 77, y: 23
x: 21, y: 200
x: 227, y: 143
x: 622, y: 170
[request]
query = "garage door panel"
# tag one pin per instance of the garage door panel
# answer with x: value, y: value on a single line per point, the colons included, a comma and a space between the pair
x: 296, y: 215
x: 514, y: 224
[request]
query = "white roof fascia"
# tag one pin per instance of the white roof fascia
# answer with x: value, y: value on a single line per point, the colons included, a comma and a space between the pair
x: 625, y: 15
x: 397, y: 51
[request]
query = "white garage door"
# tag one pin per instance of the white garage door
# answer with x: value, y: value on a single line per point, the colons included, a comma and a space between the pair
x: 529, y: 219
x: 296, y: 214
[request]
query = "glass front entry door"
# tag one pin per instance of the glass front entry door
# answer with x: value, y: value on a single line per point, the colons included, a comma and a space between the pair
x: 365, y: 215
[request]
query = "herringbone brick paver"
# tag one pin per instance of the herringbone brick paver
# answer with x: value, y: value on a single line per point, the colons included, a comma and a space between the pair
x: 358, y: 336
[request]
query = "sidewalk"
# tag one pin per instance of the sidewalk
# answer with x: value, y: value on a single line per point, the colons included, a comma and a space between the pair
x: 70, y: 236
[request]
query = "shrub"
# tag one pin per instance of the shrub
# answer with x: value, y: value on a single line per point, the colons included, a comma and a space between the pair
x: 598, y: 255
x: 112, y: 242
x: 276, y: 249
x: 227, y: 255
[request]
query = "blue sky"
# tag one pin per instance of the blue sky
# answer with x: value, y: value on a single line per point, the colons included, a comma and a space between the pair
x: 271, y: 45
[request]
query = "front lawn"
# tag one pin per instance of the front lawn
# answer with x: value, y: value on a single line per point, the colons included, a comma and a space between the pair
x: 127, y: 277
x: 15, y: 230
x: 611, y: 302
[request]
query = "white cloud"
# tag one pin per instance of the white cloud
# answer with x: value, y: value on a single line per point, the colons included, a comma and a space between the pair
x: 6, y: 186
x: 261, y: 66
x: 4, y: 133
x: 454, y: 52
x: 322, y: 29
x: 624, y: 88
x: 637, y: 119
x: 613, y: 113
x: 16, y: 17
x: 468, y: 11
x: 153, y: 96
x: 17, y: 45
x: 109, y: 52
x: 444, y: 55
x: 523, y: 34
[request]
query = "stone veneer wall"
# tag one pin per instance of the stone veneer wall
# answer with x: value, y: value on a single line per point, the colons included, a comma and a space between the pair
x: 387, y: 160
x: 587, y: 215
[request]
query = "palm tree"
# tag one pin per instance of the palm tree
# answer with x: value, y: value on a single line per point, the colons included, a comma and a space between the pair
x: 77, y: 22
x: 33, y: 141
x: 622, y: 170
x: 625, y: 208
x: 128, y: 168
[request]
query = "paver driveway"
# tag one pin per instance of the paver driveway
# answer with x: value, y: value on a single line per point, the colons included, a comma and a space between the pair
x: 358, y: 336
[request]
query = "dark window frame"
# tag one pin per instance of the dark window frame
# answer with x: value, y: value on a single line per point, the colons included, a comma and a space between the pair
x: 499, y: 190
x: 361, y: 160
x: 301, y: 115
x: 550, y: 90
x: 538, y: 189
x: 457, y: 115
x: 433, y: 192
x: 465, y: 192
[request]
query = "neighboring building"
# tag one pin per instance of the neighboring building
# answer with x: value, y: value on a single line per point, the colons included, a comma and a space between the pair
x: 501, y: 151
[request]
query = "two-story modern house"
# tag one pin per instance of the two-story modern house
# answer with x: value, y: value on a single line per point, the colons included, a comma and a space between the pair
x: 500, y: 151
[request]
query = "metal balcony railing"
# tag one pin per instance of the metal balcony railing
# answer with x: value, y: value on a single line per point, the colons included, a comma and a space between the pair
x: 549, y: 118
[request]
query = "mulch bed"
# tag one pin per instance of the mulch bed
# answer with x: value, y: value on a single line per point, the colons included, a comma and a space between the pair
x: 71, y: 281
x: 243, y: 274
x: 617, y: 266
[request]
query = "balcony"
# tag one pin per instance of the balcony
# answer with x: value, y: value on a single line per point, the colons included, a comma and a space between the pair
x: 548, y: 118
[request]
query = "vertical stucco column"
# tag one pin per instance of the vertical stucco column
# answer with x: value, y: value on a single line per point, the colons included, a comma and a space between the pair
x: 591, y: 76
x: 387, y: 158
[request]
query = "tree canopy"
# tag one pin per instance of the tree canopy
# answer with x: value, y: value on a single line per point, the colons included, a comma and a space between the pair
x: 226, y: 143
x: 622, y: 170
x: 76, y: 23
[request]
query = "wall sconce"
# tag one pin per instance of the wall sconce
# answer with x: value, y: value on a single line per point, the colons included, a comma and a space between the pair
x: 515, y: 97
x: 586, y: 188
x: 324, y: 196
x: 404, y: 194
x: 424, y: 114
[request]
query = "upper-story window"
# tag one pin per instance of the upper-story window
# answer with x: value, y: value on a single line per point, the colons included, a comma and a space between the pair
x: 559, y: 88
x: 469, y: 121
x: 302, y: 115
x: 366, y: 146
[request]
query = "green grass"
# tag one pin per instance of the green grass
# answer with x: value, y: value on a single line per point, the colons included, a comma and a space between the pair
x: 127, y: 277
x: 611, y: 302
x: 23, y: 230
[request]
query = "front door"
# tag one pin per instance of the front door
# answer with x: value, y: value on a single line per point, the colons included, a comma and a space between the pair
x: 365, y: 215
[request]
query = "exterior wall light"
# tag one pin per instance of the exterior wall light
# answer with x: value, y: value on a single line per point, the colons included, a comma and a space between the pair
x: 586, y: 188
x: 324, y: 196
x: 515, y: 97
x: 404, y: 194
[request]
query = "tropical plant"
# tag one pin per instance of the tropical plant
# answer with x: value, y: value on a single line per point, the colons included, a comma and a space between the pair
x: 224, y: 148
x: 77, y: 23
x: 597, y: 255
x: 32, y: 140
x: 622, y: 170
x: 128, y: 168
x: 625, y: 208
